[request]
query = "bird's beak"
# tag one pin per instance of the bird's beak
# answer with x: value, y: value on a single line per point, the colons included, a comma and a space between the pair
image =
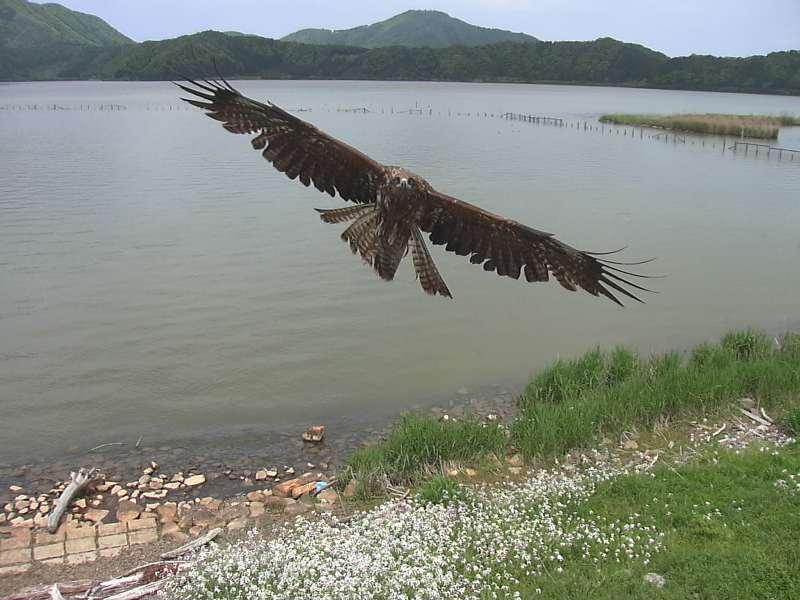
x: 404, y: 183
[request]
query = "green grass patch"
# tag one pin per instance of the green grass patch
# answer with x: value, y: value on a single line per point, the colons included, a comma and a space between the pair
x: 419, y: 444
x: 755, y: 126
x: 441, y: 490
x: 730, y: 532
x: 791, y: 421
x: 575, y: 402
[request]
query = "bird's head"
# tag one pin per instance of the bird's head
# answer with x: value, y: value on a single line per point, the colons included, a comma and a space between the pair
x: 407, y: 180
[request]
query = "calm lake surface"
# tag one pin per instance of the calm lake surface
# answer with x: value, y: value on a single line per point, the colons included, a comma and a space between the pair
x: 159, y: 278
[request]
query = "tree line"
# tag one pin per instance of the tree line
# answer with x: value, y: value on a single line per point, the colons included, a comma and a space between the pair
x: 602, y: 62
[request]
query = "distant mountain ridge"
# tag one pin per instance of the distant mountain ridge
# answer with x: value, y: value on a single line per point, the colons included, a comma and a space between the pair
x: 75, y: 53
x: 414, y: 29
x: 29, y: 25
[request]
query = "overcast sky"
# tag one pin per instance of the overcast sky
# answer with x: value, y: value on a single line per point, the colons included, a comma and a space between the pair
x: 675, y: 27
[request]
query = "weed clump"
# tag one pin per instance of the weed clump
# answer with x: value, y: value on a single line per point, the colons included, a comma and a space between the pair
x: 753, y: 126
x: 441, y: 490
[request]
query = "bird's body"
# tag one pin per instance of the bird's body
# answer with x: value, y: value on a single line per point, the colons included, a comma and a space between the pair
x: 395, y: 206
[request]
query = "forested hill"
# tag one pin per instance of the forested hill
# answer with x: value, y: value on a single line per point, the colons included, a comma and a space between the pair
x: 29, y: 25
x: 604, y: 61
x: 414, y: 29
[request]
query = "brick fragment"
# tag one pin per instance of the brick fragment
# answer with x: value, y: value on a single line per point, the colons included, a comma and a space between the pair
x: 112, y: 541
x: 48, y: 551
x: 10, y: 557
x: 82, y: 558
x: 81, y: 545
x: 144, y: 536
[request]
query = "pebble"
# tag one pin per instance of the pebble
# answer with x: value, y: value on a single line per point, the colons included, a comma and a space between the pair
x: 297, y: 508
x: 128, y: 511
x: 255, y: 497
x: 351, y: 488
x: 328, y: 496
x: 747, y: 403
x: 155, y: 495
x: 314, y: 434
x: 210, y: 503
x: 95, y: 515
x: 168, y: 512
x: 655, y: 580
x: 515, y: 460
x: 195, y: 480
x: 237, y: 524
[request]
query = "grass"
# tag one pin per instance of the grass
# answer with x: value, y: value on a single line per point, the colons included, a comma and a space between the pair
x: 575, y: 403
x: 730, y: 532
x: 753, y: 126
x: 440, y: 490
x: 418, y: 445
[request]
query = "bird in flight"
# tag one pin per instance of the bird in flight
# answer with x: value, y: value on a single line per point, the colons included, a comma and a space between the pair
x: 394, y: 207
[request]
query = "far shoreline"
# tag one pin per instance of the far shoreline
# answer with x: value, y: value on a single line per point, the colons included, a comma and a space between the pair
x: 742, y: 91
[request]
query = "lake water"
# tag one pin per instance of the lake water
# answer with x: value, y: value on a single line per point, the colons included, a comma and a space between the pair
x: 159, y: 278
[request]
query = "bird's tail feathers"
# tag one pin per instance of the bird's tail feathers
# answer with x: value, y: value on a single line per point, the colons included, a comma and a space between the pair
x: 429, y: 277
x: 341, y: 215
x: 389, y: 254
x: 362, y: 234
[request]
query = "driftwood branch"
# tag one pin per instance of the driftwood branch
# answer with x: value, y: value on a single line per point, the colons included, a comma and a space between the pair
x: 79, y: 482
x: 142, y: 582
x: 104, y: 588
x: 44, y: 592
x: 139, y: 592
x: 138, y: 571
x: 55, y: 593
x: 106, y: 446
x: 754, y: 417
x: 201, y: 541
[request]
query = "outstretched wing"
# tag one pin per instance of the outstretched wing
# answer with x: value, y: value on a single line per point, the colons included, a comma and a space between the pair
x: 511, y: 248
x: 292, y: 146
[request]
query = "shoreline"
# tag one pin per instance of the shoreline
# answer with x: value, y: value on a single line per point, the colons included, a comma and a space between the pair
x: 748, y: 91
x: 662, y: 409
x: 228, y: 471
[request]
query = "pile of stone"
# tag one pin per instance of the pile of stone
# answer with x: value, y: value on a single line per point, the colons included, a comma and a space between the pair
x: 112, y: 515
x: 147, y: 493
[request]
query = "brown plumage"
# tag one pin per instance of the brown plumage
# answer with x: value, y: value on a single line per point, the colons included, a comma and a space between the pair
x: 394, y: 206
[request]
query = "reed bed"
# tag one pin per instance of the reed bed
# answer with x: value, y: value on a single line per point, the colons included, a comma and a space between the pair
x: 751, y: 126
